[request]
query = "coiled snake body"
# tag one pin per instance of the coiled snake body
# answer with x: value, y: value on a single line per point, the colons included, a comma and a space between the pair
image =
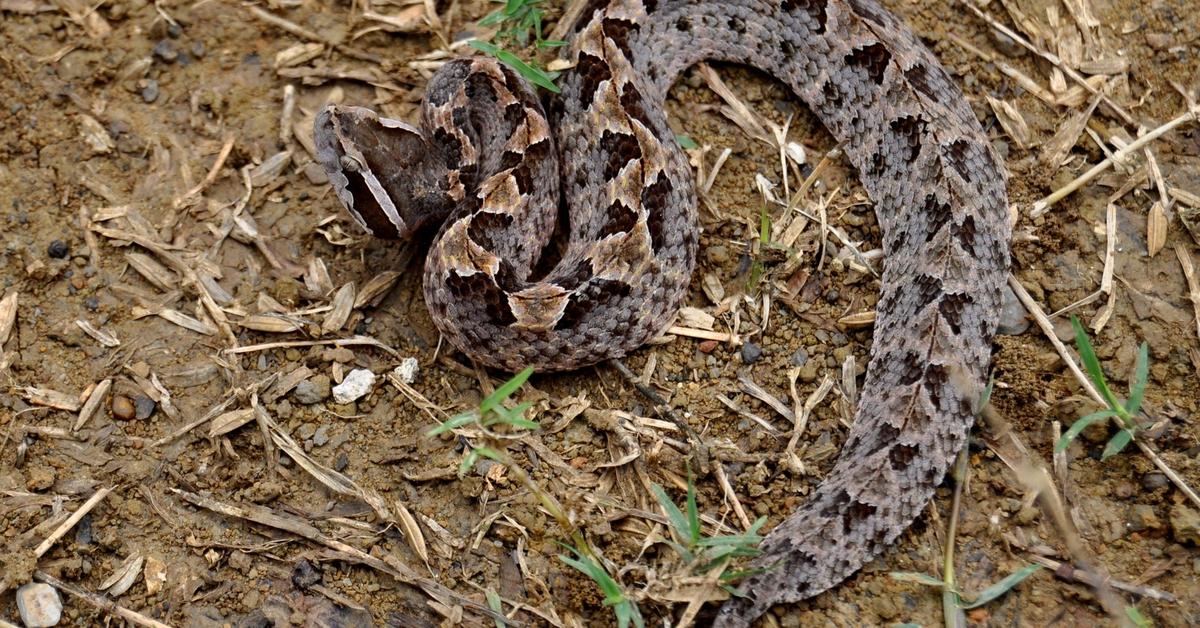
x: 513, y: 280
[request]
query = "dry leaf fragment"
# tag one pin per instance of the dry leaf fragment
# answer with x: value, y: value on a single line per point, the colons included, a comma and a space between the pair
x: 51, y: 398
x: 155, y: 574
x: 95, y: 135
x: 298, y: 54
x: 8, y: 315
x: 124, y: 576
x: 1011, y: 120
x: 1156, y: 228
x: 378, y: 286
x: 343, y: 305
x: 99, y: 394
x: 273, y: 324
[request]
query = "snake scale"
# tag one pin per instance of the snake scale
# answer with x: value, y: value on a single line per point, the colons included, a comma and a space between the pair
x: 515, y: 277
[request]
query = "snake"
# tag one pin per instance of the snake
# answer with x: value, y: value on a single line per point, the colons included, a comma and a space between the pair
x: 565, y: 230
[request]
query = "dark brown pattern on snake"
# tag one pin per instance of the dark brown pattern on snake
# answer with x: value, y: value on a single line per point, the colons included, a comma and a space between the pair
x: 509, y: 293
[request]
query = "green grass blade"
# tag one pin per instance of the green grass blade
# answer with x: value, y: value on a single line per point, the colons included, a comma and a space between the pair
x: 1141, y: 372
x: 1080, y: 425
x: 454, y: 422
x: 1088, y: 355
x: 1002, y: 587
x: 1138, y: 619
x: 686, y: 142
x: 505, y: 390
x: 493, y: 602
x: 674, y: 515
x: 986, y: 397
x: 919, y: 578
x: 693, y: 514
x: 1116, y: 444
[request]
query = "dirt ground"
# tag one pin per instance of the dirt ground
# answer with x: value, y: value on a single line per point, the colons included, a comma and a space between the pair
x: 164, y: 220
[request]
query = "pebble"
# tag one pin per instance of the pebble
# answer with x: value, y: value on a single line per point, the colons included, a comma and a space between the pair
x: 357, y: 384
x: 407, y: 371
x: 165, y: 51
x: 312, y: 390
x: 800, y: 357
x: 1013, y: 321
x: 831, y: 296
x: 1142, y: 517
x: 39, y: 605
x: 751, y: 352
x: 144, y: 407
x: 1153, y: 481
x: 321, y: 436
x: 1185, y: 524
x: 150, y: 91
x: 122, y: 407
x: 304, y: 575
x: 91, y: 303
x: 58, y: 249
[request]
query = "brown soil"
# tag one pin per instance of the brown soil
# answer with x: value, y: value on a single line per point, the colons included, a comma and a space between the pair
x: 109, y: 120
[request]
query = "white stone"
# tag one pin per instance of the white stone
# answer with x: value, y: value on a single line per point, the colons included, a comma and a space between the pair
x: 357, y: 383
x: 407, y: 371
x: 39, y: 605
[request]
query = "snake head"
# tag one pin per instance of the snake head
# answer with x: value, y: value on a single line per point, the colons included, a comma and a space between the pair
x: 383, y: 171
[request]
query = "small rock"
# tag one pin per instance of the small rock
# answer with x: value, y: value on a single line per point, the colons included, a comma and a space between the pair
x: 357, y: 384
x: 165, y: 51
x: 150, y: 91
x: 407, y: 371
x: 122, y: 407
x: 144, y: 407
x: 321, y: 436
x: 58, y: 249
x: 1142, y: 517
x: 1013, y: 321
x: 707, y: 346
x: 1153, y: 481
x: 39, y: 605
x: 312, y: 390
x: 198, y: 49
x: 831, y: 296
x: 1185, y: 524
x: 1160, y: 41
x: 91, y: 303
x: 751, y: 353
x: 800, y: 357
x: 305, y: 574
x: 717, y: 254
x: 341, y: 462
x: 39, y: 479
x: 315, y: 174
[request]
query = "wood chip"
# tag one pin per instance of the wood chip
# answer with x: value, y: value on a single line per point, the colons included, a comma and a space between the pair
x: 376, y: 288
x: 230, y: 421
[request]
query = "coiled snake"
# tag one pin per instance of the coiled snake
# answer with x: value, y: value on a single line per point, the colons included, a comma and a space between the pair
x: 515, y: 278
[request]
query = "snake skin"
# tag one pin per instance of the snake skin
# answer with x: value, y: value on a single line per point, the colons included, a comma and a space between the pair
x: 514, y: 279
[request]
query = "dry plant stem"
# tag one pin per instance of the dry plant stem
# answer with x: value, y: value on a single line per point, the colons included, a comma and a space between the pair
x: 1052, y: 58
x: 1069, y: 572
x: 1042, y: 206
x: 951, y: 613
x: 299, y: 527
x: 66, y: 526
x: 700, y: 454
x: 1039, y: 316
x: 100, y: 602
x: 1189, y: 271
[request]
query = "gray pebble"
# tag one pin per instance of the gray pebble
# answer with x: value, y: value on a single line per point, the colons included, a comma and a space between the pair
x: 800, y: 357
x: 150, y: 91
x: 166, y: 51
x: 1152, y: 481
x: 144, y: 407
x: 1013, y: 321
x: 751, y: 353
x: 312, y: 390
x: 321, y: 436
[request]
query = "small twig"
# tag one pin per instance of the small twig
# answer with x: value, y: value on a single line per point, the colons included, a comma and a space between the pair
x: 1042, y: 206
x: 1039, y: 317
x: 699, y: 448
x: 66, y: 526
x: 1052, y: 58
x: 1189, y: 271
x: 952, y: 611
x: 99, y: 601
x: 1069, y: 572
x: 337, y: 342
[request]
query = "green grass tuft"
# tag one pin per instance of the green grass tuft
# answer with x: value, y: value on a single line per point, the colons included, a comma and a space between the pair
x: 1124, y: 411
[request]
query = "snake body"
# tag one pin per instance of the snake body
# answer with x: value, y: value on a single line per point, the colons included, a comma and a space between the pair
x: 515, y: 278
